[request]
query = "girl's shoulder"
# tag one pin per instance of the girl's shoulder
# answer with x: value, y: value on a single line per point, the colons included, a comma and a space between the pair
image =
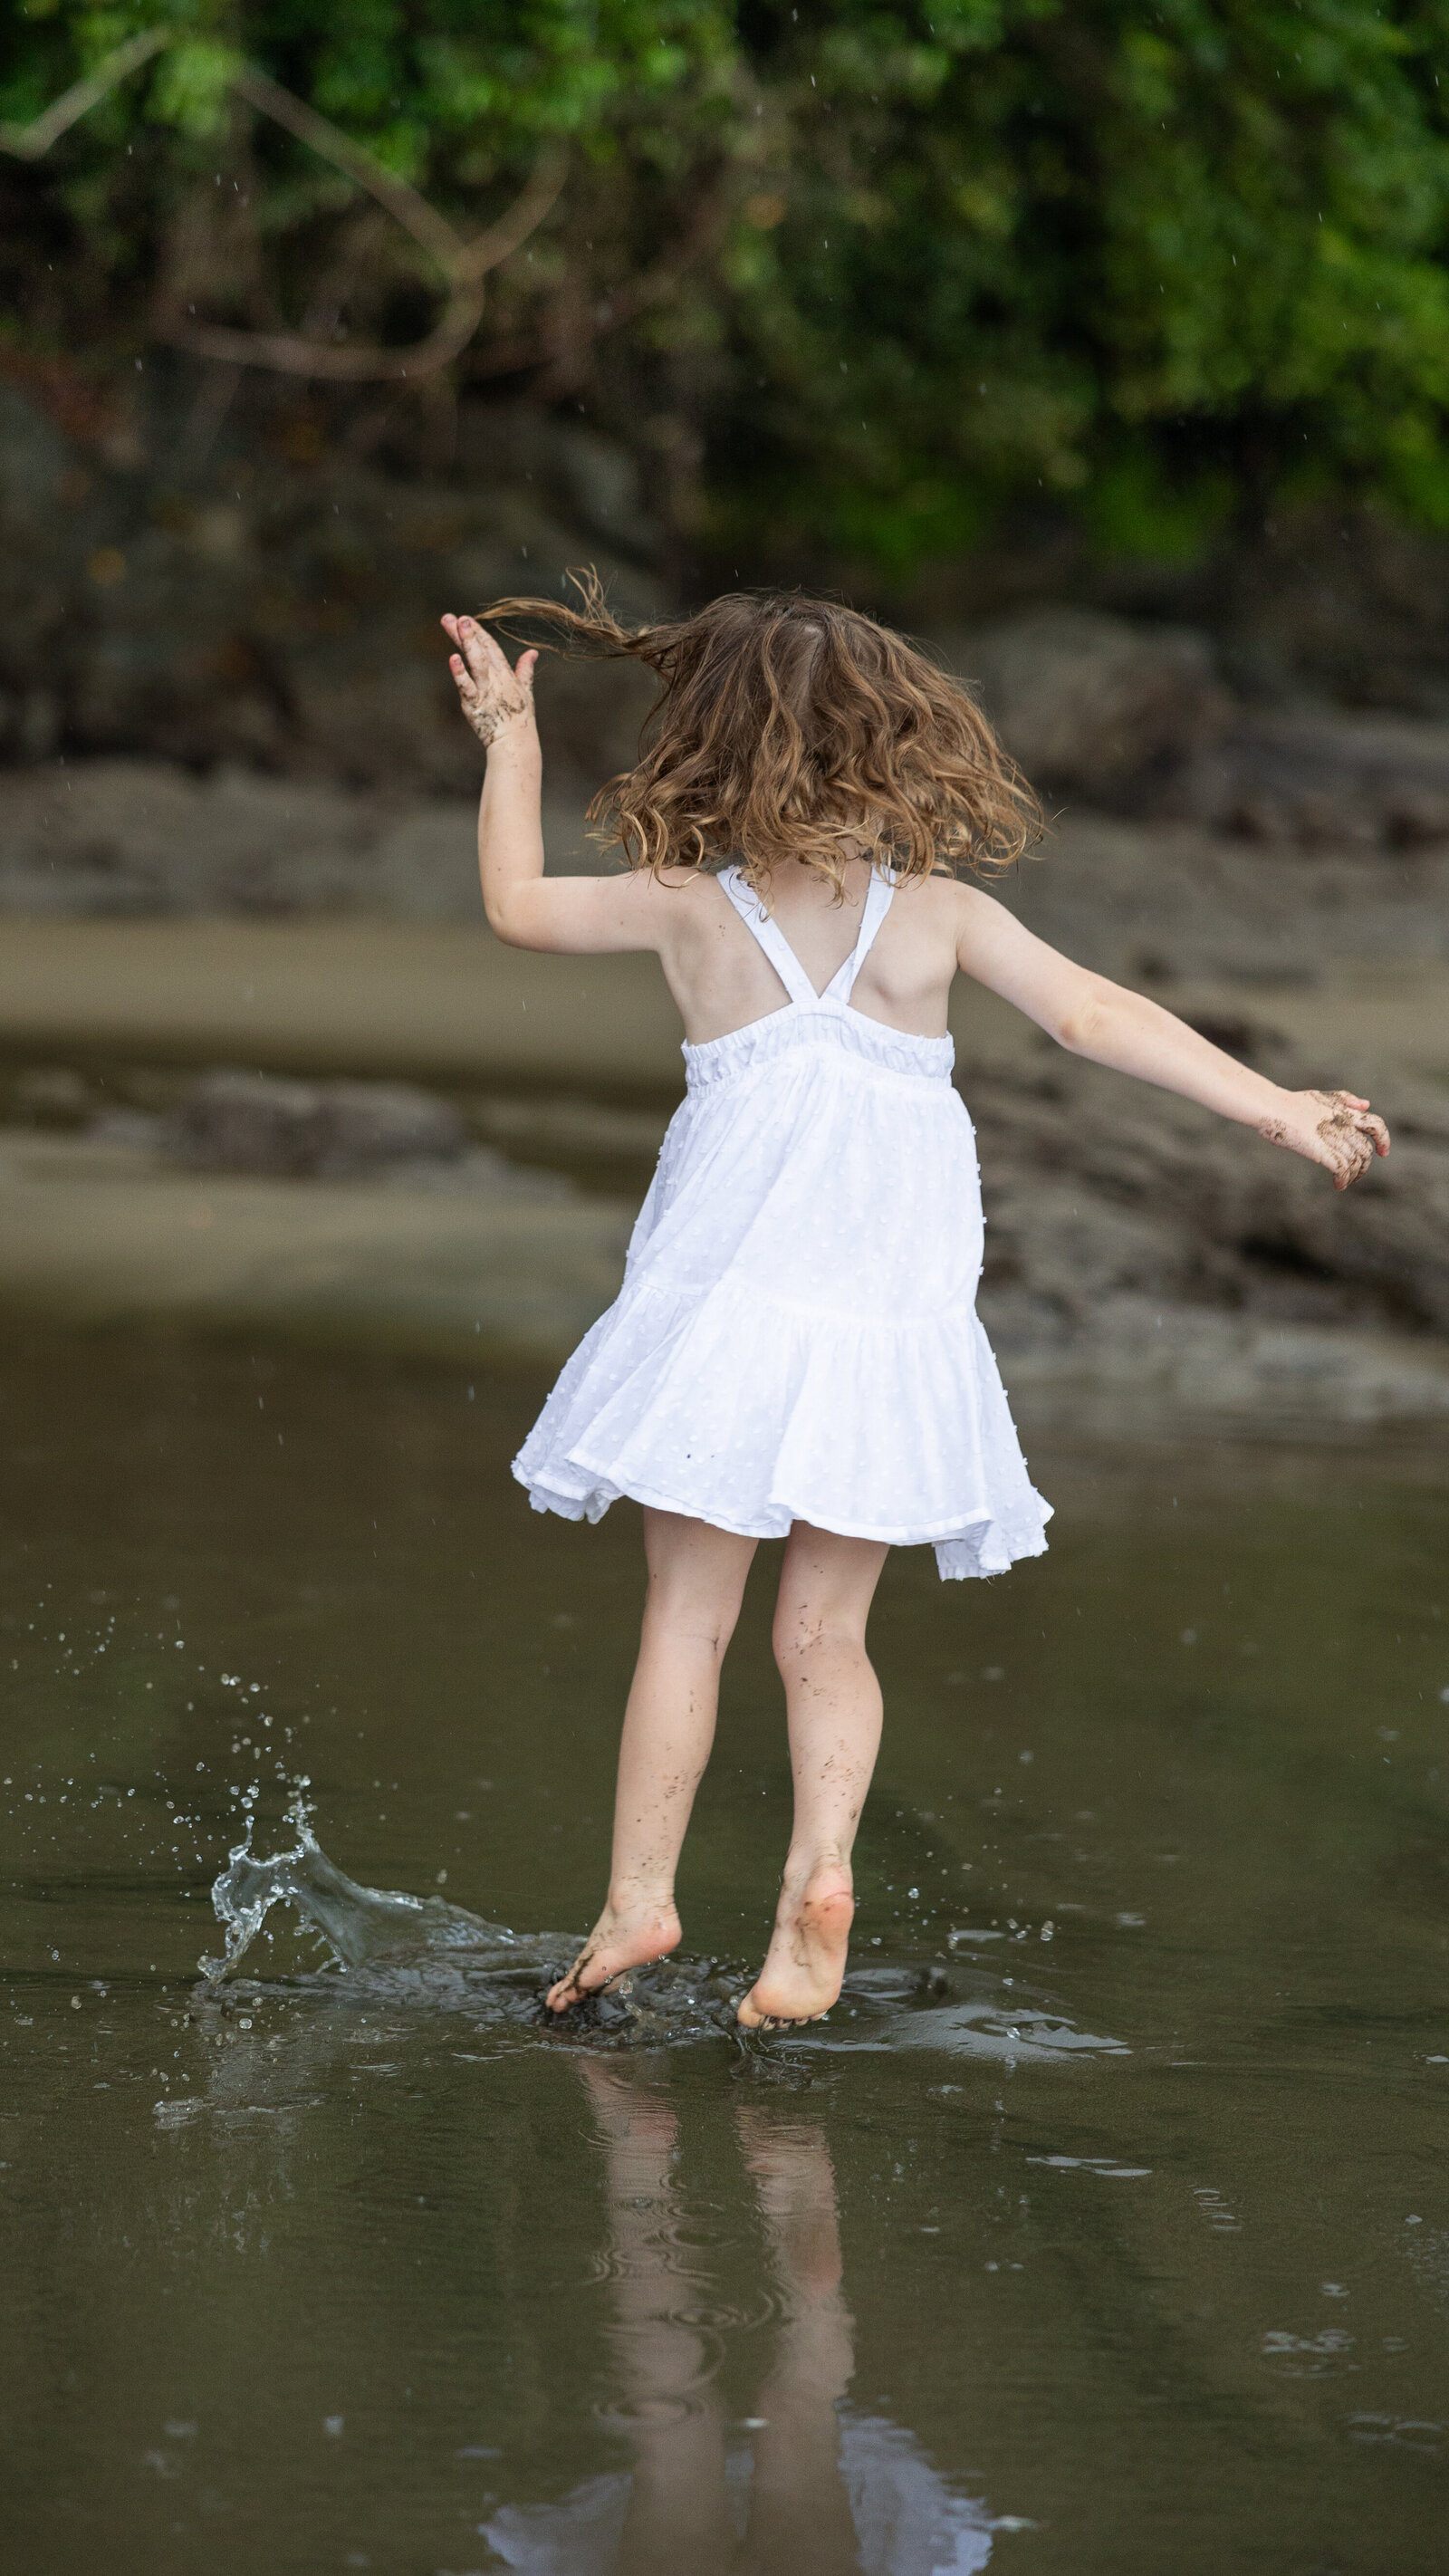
x: 683, y: 907
x: 950, y: 918
x: 947, y: 901
x: 948, y: 887
x: 649, y: 882
x: 667, y: 890
x: 702, y: 883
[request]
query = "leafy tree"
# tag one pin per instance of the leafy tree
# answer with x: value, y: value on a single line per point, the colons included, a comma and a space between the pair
x: 1155, y: 257
x: 869, y: 271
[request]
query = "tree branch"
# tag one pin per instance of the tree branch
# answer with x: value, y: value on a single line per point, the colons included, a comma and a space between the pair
x: 538, y: 197
x: 288, y: 353
x: 563, y: 350
x: 403, y: 203
x: 464, y: 264
x: 28, y: 142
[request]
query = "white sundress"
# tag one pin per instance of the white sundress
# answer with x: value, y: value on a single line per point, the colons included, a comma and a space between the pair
x: 796, y: 1337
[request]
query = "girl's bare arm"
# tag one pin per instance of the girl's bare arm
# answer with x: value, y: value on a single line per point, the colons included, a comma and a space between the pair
x: 573, y: 916
x: 1111, y: 1026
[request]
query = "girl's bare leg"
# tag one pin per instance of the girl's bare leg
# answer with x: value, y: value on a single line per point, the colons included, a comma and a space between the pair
x: 696, y: 1583
x: 834, y: 1706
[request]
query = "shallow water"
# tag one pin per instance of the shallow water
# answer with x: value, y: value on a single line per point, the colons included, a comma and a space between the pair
x: 1103, y: 2226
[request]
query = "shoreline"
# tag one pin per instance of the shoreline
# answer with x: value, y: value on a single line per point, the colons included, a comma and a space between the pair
x: 1145, y: 1266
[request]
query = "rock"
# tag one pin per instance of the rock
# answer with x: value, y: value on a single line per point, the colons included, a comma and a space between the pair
x: 136, y: 1131
x: 1139, y: 1366
x: 281, y: 612
x: 1095, y: 706
x: 49, y: 1095
x: 255, y: 1122
x: 125, y: 838
x: 601, y: 486
x: 1132, y: 719
x: 1108, y: 1202
x: 1162, y: 904
x: 585, y: 479
x: 1326, y: 780
x: 100, y: 1234
x: 1096, y: 1189
x: 1149, y: 903
x: 1350, y: 604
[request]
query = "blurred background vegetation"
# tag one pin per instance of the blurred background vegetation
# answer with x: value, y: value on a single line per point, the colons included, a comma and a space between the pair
x: 860, y: 286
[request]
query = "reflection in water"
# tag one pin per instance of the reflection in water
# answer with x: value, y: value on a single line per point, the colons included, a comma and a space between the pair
x: 805, y: 2487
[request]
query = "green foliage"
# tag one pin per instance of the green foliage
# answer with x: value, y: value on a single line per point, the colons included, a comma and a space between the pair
x: 190, y: 85
x: 1139, y: 254
x: 1147, y: 261
x: 410, y: 78
x: 1131, y: 506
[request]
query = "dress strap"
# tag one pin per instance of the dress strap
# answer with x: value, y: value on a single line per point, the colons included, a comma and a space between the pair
x: 782, y: 956
x: 877, y: 904
x: 771, y: 938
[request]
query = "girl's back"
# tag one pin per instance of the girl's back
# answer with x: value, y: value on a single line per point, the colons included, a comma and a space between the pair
x: 722, y: 980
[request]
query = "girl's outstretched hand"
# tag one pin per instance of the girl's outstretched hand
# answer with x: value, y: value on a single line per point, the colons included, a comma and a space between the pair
x: 1334, y: 1128
x: 494, y: 697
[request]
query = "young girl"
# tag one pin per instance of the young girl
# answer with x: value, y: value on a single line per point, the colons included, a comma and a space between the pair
x: 795, y: 1351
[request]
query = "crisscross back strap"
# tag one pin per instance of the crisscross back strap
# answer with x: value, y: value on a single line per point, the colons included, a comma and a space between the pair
x: 877, y: 905
x: 771, y: 938
x: 781, y: 955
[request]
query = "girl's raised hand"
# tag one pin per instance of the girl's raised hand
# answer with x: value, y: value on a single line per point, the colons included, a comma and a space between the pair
x: 494, y: 697
x: 1334, y: 1128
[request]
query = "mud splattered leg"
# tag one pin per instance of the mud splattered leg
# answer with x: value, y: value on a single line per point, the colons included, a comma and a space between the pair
x: 834, y: 1705
x: 696, y: 1581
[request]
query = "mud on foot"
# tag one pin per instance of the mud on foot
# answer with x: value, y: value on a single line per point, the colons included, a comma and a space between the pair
x: 624, y: 1937
x: 805, y: 1963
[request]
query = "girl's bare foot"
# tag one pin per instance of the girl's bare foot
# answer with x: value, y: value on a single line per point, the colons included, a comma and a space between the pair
x: 629, y: 1932
x: 805, y: 1963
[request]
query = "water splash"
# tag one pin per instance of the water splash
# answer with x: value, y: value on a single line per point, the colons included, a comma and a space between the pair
x: 362, y: 1925
x: 387, y: 1947
x: 421, y: 1949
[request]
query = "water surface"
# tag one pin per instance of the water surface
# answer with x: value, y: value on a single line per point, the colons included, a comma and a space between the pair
x: 1103, y: 2227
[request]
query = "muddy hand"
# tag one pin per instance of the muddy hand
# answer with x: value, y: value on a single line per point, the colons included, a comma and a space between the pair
x: 493, y: 696
x: 1334, y: 1128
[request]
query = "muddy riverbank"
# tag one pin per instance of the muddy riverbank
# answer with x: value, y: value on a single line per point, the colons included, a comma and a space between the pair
x: 1141, y: 1256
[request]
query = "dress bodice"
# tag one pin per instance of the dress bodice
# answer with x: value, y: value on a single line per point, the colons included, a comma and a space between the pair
x: 827, y: 1023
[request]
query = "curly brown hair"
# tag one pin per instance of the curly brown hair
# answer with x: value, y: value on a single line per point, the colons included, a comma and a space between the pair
x: 794, y: 728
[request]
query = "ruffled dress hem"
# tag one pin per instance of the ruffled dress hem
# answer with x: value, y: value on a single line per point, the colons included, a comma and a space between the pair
x: 982, y: 1546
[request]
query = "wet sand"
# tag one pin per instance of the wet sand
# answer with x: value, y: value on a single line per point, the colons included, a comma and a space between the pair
x: 439, y: 1001
x: 98, y: 1235
x: 103, y: 1234
x: 448, y: 1001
